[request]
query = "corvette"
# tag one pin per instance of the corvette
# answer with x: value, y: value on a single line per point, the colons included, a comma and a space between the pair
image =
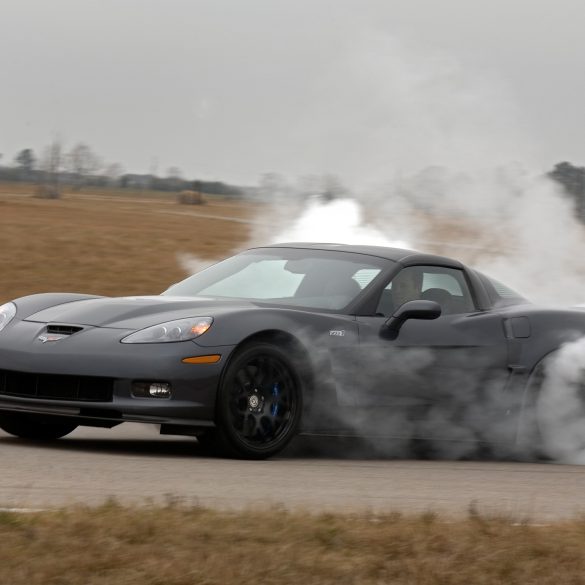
x: 286, y: 339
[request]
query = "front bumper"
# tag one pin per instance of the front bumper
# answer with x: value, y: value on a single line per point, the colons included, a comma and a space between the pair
x: 96, y: 353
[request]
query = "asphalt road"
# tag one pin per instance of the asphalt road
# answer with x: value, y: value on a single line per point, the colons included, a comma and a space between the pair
x: 135, y: 465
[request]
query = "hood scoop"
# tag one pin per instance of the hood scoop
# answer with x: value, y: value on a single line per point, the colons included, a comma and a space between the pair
x: 57, y: 329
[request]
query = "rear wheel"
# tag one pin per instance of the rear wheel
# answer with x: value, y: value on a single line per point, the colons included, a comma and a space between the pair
x: 553, y: 417
x: 34, y: 428
x: 259, y: 402
x: 560, y: 420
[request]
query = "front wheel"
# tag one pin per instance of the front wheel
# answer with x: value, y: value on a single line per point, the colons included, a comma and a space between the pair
x: 34, y: 428
x: 259, y: 402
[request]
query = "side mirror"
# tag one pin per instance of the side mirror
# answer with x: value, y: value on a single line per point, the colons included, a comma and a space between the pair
x: 410, y: 310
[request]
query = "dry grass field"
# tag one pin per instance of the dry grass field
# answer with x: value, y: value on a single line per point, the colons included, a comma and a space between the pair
x: 120, y: 242
x: 185, y: 546
x: 107, y: 244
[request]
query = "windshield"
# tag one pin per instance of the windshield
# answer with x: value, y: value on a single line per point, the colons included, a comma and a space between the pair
x: 317, y: 279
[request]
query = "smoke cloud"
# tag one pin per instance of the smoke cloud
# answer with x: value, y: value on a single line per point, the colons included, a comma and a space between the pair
x: 432, y: 156
x: 560, y: 406
x: 337, y: 221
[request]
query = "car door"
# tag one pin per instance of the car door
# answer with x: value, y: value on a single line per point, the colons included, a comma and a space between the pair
x: 436, y: 373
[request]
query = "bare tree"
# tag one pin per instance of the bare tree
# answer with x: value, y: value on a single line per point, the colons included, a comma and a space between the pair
x: 153, y: 172
x: 325, y: 187
x: 82, y: 162
x: 51, y: 165
x: 332, y: 188
x: 26, y: 160
x: 114, y: 171
x: 273, y: 187
x: 174, y: 178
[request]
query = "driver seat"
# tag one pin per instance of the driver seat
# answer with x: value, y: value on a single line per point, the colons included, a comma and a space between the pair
x: 441, y: 296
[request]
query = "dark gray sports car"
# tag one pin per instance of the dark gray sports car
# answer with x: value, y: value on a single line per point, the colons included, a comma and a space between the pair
x: 311, y: 338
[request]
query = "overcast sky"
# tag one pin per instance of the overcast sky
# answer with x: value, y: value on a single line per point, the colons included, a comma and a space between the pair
x: 231, y: 89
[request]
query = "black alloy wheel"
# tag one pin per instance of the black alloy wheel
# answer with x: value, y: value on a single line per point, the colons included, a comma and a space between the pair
x: 34, y: 429
x: 259, y: 402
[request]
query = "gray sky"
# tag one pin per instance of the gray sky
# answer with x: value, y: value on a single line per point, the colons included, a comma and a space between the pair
x: 230, y: 89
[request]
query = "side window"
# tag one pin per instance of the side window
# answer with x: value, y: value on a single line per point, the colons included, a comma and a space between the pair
x: 501, y: 295
x: 446, y: 286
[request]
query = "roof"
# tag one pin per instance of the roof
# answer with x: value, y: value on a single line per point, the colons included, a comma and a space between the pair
x: 402, y: 255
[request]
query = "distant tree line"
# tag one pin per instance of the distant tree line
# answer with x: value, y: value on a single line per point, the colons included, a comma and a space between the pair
x: 80, y: 167
x: 572, y: 179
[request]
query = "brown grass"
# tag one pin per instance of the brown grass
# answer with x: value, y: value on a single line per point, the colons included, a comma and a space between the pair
x: 122, y: 242
x: 105, y: 243
x: 179, y: 546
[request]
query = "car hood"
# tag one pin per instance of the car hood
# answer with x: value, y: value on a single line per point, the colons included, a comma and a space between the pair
x: 134, y: 312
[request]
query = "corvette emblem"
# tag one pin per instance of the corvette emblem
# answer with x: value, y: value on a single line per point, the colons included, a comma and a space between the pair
x: 46, y: 338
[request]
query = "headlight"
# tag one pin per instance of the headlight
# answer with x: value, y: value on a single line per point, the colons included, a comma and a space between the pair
x: 7, y: 313
x: 180, y: 330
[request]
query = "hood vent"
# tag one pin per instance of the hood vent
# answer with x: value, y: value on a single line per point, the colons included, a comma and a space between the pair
x: 63, y: 329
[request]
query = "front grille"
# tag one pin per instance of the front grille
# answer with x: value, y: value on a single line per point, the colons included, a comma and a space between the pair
x: 56, y: 387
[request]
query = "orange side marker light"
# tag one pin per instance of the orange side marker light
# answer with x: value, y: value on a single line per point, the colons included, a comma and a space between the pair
x: 202, y: 359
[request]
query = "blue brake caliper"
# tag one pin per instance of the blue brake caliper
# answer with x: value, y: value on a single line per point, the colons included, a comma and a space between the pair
x: 275, y: 394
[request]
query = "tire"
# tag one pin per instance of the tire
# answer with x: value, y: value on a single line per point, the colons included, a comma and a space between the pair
x: 560, y: 418
x: 529, y: 444
x: 551, y: 420
x: 34, y: 429
x: 259, y: 402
